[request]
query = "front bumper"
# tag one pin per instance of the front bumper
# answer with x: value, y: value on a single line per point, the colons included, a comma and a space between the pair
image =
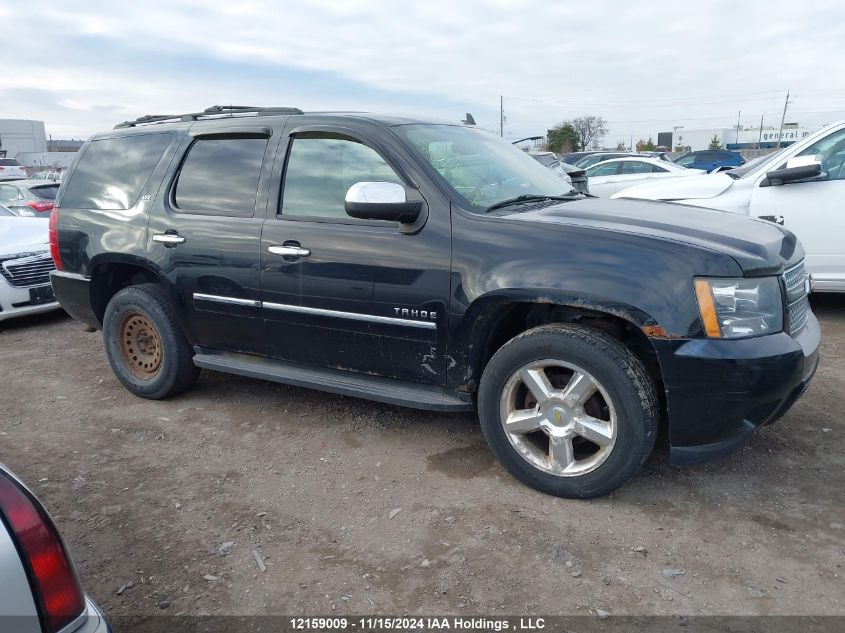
x: 14, y: 302
x: 719, y: 391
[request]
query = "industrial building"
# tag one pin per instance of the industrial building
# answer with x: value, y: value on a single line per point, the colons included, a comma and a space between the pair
x: 733, y: 138
x: 26, y: 141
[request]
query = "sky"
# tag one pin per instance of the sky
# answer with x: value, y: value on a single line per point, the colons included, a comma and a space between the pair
x: 645, y: 67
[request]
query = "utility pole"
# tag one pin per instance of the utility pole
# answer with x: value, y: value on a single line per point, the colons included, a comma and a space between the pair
x: 501, y: 116
x: 738, y: 117
x: 760, y: 137
x: 783, y: 118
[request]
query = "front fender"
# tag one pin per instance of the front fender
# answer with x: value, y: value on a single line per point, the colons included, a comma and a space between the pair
x: 642, y: 280
x: 470, y: 331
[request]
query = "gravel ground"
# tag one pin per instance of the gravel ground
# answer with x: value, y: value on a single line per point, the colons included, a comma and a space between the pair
x: 359, y: 508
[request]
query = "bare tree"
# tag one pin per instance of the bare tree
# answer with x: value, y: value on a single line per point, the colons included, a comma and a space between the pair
x: 590, y: 128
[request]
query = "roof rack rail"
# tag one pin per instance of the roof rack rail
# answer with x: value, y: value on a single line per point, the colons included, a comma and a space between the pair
x: 210, y: 112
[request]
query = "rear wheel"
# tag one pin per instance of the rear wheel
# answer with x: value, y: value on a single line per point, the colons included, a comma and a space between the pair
x: 568, y: 410
x: 144, y: 344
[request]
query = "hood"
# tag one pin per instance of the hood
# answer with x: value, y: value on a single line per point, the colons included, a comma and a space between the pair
x: 23, y: 235
x: 703, y: 187
x: 759, y: 247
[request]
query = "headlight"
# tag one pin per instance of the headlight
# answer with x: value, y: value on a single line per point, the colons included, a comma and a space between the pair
x: 736, y: 308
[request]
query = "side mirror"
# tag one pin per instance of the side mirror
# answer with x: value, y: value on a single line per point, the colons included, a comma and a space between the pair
x: 381, y: 201
x: 797, y: 168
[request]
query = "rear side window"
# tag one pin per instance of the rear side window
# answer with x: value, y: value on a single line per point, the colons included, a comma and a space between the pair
x: 112, y: 172
x: 47, y: 192
x: 636, y: 167
x: 220, y: 176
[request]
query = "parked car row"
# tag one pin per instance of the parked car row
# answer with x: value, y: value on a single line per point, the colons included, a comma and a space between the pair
x: 573, y: 175
x: 608, y: 177
x: 800, y: 187
x: 32, y: 198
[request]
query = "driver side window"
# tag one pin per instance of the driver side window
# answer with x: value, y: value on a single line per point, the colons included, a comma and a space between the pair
x: 832, y: 150
x: 322, y: 167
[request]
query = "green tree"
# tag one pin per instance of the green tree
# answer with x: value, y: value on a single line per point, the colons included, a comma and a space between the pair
x: 646, y: 146
x: 715, y: 143
x: 563, y: 138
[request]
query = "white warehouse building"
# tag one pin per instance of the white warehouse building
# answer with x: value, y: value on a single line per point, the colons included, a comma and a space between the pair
x: 25, y: 140
x: 18, y: 136
x: 730, y: 138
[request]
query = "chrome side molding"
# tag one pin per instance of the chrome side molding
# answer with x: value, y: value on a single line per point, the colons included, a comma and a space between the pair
x: 354, y: 316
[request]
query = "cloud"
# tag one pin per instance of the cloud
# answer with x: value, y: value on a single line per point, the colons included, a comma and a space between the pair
x: 643, y: 66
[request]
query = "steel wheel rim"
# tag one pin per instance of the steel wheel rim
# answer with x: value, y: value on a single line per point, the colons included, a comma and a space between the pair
x: 565, y: 404
x: 140, y: 345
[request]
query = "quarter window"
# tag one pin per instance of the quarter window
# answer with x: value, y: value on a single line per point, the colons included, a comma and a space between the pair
x: 112, y: 172
x: 322, y: 167
x: 220, y: 176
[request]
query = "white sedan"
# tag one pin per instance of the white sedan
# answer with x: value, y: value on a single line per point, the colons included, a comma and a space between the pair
x: 25, y: 266
x: 610, y: 176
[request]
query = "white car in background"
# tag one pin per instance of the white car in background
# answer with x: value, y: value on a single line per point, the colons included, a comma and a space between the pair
x: 25, y: 266
x: 610, y: 176
x: 10, y: 169
x: 801, y: 187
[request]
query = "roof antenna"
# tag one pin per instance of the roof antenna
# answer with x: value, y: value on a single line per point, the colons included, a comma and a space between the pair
x: 469, y: 120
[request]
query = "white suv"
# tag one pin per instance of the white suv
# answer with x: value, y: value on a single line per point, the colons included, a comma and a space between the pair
x: 801, y: 186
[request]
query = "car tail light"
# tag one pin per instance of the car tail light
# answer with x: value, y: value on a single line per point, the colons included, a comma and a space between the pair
x: 51, y: 574
x: 39, y: 206
x: 54, y: 238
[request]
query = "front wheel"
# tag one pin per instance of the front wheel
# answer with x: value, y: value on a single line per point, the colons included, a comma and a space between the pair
x: 145, y: 346
x: 568, y: 410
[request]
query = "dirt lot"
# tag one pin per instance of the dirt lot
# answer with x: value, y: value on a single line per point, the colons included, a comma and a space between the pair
x: 166, y: 502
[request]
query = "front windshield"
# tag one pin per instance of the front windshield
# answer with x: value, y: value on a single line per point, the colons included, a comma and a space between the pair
x: 752, y: 165
x: 480, y: 168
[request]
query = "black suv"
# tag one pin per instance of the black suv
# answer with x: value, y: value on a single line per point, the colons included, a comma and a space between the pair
x: 434, y: 266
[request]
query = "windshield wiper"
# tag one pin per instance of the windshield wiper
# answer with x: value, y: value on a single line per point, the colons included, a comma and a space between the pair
x: 530, y: 197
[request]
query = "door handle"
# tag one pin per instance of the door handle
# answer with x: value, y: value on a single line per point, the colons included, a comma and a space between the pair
x: 289, y: 251
x: 168, y: 239
x: 777, y: 219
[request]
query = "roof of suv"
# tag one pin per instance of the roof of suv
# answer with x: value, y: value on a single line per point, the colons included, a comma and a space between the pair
x: 227, y: 113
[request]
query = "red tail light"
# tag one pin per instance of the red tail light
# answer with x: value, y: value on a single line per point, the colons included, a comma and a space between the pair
x: 54, y: 238
x: 51, y: 574
x: 41, y: 207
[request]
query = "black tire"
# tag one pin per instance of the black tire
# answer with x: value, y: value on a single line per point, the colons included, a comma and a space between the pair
x: 174, y: 369
x: 617, y: 370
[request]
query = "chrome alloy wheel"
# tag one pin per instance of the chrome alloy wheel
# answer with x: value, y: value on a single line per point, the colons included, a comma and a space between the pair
x: 558, y: 417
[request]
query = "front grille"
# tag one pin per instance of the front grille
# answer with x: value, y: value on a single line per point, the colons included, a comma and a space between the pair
x: 798, y: 305
x: 27, y: 270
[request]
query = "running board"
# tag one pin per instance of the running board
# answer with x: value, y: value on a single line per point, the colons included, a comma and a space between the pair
x: 346, y: 383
